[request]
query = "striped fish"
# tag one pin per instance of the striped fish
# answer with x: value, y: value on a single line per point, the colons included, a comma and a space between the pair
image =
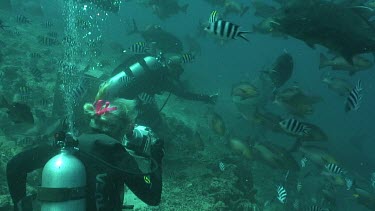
x: 80, y: 91
x: 22, y: 19
x: 226, y: 30
x: 294, y: 127
x: 354, y: 99
x: 333, y: 169
x: 138, y: 48
x: 221, y: 166
x: 35, y: 55
x: 126, y: 80
x: 47, y: 41
x: 52, y: 34
x: 146, y: 98
x: 296, y: 204
x: 35, y: 71
x: 187, y: 58
x: 24, y: 93
x: 214, y: 16
x: 45, y: 102
x: 47, y: 24
x: 299, y: 186
x: 281, y: 194
x: 315, y: 208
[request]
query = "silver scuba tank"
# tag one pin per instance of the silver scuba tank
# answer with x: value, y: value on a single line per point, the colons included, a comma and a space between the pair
x: 63, y: 182
x: 140, y: 69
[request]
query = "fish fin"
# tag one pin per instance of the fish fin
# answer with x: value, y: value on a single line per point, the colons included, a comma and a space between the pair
x: 184, y: 8
x: 244, y: 10
x: 322, y: 61
x: 359, y: 85
x: 135, y: 28
x: 241, y: 34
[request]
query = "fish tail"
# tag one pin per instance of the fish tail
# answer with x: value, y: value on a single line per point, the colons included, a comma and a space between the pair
x: 242, y: 35
x: 359, y: 85
x: 244, y: 10
x: 135, y: 28
x: 323, y: 61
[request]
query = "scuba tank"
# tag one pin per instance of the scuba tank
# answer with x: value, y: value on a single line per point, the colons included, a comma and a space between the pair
x: 142, y: 70
x: 63, y: 178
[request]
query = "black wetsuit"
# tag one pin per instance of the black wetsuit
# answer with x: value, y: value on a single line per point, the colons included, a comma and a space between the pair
x: 104, y: 184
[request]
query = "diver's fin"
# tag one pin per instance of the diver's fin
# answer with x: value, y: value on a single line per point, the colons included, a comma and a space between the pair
x: 241, y: 34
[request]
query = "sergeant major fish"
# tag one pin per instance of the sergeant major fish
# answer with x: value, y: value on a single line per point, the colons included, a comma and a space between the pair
x: 281, y: 194
x: 315, y: 208
x: 146, y: 98
x: 354, y: 99
x: 333, y: 169
x: 138, y: 48
x: 224, y: 29
x: 294, y: 127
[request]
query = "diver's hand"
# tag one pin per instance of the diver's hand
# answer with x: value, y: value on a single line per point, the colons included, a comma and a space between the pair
x: 139, y: 143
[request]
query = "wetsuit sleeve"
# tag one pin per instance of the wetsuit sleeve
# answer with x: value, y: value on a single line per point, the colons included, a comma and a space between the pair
x: 177, y: 89
x: 147, y: 188
x: 23, y: 163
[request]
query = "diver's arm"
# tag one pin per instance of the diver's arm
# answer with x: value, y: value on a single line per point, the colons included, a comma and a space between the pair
x: 148, y: 192
x: 23, y: 163
x: 148, y: 189
x: 180, y: 91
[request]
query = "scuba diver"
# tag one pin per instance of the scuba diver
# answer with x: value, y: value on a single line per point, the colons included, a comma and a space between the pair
x: 147, y: 74
x: 117, y: 153
x: 140, y: 77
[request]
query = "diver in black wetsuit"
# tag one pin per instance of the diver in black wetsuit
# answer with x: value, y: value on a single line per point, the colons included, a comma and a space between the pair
x: 109, y: 163
x: 149, y: 75
x: 140, y: 77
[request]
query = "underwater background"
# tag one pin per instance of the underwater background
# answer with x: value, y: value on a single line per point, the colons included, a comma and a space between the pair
x: 227, y: 156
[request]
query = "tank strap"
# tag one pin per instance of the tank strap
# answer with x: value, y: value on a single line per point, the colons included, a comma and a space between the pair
x: 144, y: 64
x: 128, y: 72
x: 60, y: 194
